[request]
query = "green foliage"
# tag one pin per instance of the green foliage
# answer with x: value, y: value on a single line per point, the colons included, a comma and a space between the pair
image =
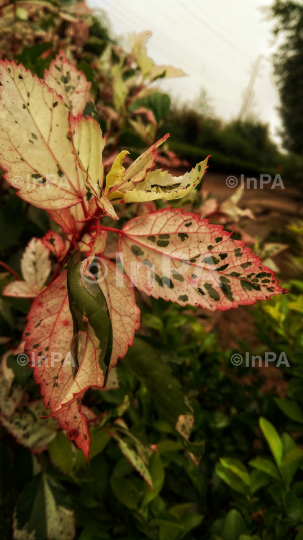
x: 237, y: 475
x: 288, y: 16
x: 242, y: 147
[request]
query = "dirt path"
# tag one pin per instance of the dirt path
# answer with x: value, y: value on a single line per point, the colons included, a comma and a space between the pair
x: 273, y: 209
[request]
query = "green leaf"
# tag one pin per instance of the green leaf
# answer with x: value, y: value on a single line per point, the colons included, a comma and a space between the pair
x: 267, y: 466
x: 39, y: 217
x: 300, y: 534
x: 61, y: 453
x: 168, y: 445
x: 258, y: 479
x: 291, y: 409
x: 273, y: 439
x: 86, y: 298
x: 233, y: 526
x: 163, y: 388
x: 11, y: 229
x: 99, y: 441
x: 190, y: 520
x: 170, y: 526
x: 230, y: 478
x: 157, y: 102
x: 90, y: 110
x: 292, y: 458
x: 292, y: 507
x: 31, y: 58
x: 157, y: 473
x: 6, y: 312
x: 22, y: 373
x: 135, y: 460
x: 277, y: 492
x: 43, y: 511
x: 152, y: 321
x: 237, y: 468
x: 125, y: 491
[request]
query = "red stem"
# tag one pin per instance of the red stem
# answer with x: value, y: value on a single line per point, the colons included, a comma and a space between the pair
x: 98, y: 227
x: 10, y: 270
x: 84, y: 208
x: 117, y: 231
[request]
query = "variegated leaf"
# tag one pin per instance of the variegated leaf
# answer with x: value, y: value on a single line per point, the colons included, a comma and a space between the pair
x: 135, y: 460
x: 35, y: 146
x: 162, y: 185
x: 137, y: 171
x: 48, y: 336
x: 55, y: 244
x: 68, y: 82
x: 180, y: 257
x: 125, y: 320
x: 72, y: 219
x: 43, y: 511
x: 116, y: 173
x: 35, y: 266
x: 89, y: 144
x: 29, y: 428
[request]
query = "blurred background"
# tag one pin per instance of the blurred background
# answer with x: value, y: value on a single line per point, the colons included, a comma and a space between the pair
x: 225, y: 79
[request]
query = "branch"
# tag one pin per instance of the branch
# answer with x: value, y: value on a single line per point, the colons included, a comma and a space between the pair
x: 10, y: 270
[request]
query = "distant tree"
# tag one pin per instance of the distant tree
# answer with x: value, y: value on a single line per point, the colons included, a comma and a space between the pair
x: 288, y: 66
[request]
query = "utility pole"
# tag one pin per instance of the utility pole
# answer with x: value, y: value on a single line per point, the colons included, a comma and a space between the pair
x: 249, y: 92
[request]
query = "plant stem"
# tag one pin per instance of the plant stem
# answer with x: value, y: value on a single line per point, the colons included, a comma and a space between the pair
x: 110, y: 229
x: 10, y: 270
x: 84, y: 208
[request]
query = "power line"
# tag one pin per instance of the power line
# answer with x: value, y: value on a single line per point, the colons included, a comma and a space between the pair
x: 162, y: 40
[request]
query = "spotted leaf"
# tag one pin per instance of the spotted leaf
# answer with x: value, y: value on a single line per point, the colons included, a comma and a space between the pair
x: 68, y: 82
x: 44, y: 511
x: 180, y: 257
x: 35, y: 266
x: 35, y: 146
x: 162, y: 185
x: 137, y: 171
x: 48, y: 336
x: 88, y: 146
x: 55, y: 244
x: 91, y: 342
x: 29, y: 428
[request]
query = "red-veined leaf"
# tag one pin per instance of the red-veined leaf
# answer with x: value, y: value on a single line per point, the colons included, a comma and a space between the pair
x: 72, y: 219
x: 160, y: 184
x: 88, y: 146
x: 64, y: 218
x: 69, y: 83
x: 35, y: 266
x: 137, y: 171
x: 55, y: 244
x: 134, y: 459
x: 97, y: 244
x: 180, y: 257
x: 73, y: 419
x: 125, y: 320
x: 48, y: 336
x: 90, y: 373
x: 35, y: 147
x: 29, y: 428
x: 10, y: 397
x: 124, y: 313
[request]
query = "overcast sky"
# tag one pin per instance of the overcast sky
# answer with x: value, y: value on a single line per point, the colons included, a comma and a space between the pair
x: 215, y: 42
